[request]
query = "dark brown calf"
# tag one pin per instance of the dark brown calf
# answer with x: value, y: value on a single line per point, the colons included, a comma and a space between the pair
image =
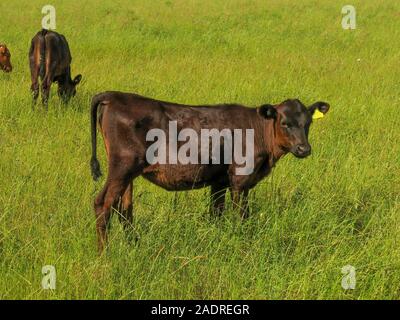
x: 5, y: 56
x: 125, y: 120
x: 50, y: 58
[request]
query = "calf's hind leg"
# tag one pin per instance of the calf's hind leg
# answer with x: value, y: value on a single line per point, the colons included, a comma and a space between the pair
x: 46, y: 85
x: 35, y: 82
x: 126, y: 211
x: 114, y: 188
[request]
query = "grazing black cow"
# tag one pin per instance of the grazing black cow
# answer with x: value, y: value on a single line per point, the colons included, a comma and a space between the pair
x: 50, y: 58
x: 5, y: 56
x: 126, y: 119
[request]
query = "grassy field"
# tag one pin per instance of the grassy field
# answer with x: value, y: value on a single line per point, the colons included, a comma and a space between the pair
x: 309, y: 218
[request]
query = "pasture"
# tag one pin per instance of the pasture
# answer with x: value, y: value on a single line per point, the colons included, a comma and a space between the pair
x: 309, y: 218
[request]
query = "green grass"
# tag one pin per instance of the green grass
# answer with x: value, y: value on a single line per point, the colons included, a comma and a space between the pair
x: 310, y: 217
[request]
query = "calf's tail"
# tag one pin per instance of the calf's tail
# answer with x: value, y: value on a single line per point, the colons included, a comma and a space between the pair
x: 42, y: 47
x: 94, y: 163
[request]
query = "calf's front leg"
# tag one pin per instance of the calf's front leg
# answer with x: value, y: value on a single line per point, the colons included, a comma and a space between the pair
x: 240, y: 199
x: 218, y: 192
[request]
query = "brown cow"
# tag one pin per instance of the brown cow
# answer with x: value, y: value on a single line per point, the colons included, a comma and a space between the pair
x: 50, y: 58
x: 5, y: 56
x: 125, y: 121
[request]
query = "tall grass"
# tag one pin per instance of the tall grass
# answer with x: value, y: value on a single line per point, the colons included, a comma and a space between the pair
x: 309, y: 218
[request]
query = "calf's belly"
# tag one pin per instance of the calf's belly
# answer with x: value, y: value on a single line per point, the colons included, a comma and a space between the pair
x: 185, y: 177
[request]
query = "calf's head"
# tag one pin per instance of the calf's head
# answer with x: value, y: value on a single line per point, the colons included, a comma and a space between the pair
x: 67, y: 87
x: 291, y: 124
x: 5, y: 63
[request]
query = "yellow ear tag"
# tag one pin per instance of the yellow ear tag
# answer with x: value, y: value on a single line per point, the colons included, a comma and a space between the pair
x: 317, y: 114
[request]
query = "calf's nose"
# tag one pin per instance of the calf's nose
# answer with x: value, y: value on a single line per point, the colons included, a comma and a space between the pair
x: 303, y: 149
x: 7, y: 68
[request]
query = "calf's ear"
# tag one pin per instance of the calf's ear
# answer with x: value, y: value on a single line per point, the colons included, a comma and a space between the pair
x: 267, y: 111
x: 320, y: 106
x: 77, y: 79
